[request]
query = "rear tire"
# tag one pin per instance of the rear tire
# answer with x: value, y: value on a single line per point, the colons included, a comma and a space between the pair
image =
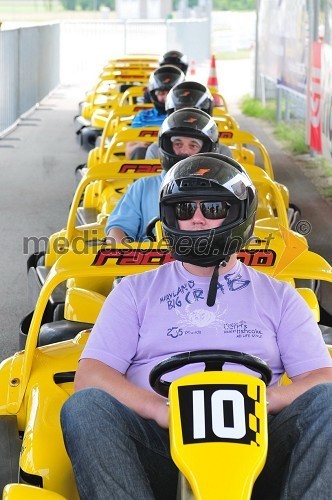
x: 10, y: 447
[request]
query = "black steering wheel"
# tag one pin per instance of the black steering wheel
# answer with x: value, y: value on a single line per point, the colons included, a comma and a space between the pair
x: 150, y: 227
x: 214, y: 360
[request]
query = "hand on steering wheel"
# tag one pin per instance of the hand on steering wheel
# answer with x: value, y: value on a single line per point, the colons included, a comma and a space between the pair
x: 150, y: 227
x: 214, y: 360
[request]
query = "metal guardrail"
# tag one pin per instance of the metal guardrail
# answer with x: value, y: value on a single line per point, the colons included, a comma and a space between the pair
x: 29, y: 70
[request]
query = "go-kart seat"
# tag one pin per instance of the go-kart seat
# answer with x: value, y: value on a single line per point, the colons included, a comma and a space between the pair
x: 327, y: 333
x: 86, y: 215
x: 139, y: 153
x: 36, y: 277
x: 57, y: 331
x: 81, y: 309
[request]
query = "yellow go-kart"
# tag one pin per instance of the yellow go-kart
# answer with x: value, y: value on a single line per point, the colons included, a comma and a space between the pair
x: 34, y: 383
x: 94, y: 114
x: 272, y: 248
x: 117, y: 77
x: 98, y: 192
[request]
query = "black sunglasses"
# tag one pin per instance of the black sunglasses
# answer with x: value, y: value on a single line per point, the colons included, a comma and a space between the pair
x: 185, y: 210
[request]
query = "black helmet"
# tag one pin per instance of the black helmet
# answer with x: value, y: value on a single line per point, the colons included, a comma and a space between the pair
x: 163, y: 78
x: 189, y: 95
x: 176, y: 58
x: 189, y: 122
x: 214, y: 177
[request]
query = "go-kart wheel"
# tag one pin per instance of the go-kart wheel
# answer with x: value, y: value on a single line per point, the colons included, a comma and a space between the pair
x: 10, y: 447
x: 150, y: 227
x: 214, y: 360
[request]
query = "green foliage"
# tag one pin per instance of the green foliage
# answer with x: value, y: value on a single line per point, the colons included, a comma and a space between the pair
x: 69, y: 4
x: 292, y: 134
x: 223, y: 4
x: 254, y: 107
x: 234, y: 4
x: 87, y: 4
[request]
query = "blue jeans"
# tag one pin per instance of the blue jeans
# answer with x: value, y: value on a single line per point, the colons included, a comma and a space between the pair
x: 116, y: 454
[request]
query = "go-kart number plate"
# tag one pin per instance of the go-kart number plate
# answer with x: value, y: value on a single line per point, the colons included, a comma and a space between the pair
x: 214, y: 413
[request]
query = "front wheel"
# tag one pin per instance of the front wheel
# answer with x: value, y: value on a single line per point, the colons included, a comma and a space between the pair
x: 10, y: 447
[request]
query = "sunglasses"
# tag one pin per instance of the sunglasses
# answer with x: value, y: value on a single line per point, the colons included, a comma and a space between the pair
x: 185, y: 210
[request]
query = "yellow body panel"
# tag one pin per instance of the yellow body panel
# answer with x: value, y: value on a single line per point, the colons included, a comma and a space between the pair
x: 28, y: 379
x: 209, y: 456
x: 26, y: 492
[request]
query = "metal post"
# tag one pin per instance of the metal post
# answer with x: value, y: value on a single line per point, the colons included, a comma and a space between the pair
x: 310, y: 39
x: 257, y: 79
x: 263, y: 98
x: 316, y: 9
x: 288, y: 99
x: 279, y: 104
x: 125, y: 35
x: 209, y: 16
x: 327, y: 14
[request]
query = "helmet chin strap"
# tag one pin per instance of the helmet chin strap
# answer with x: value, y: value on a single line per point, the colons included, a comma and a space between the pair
x: 212, y: 293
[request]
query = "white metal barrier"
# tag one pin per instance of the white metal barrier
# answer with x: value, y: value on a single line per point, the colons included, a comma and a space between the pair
x: 34, y: 60
x: 29, y: 69
x: 86, y: 47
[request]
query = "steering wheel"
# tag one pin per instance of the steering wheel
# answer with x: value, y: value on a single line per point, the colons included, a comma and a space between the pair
x: 150, y: 227
x: 214, y: 360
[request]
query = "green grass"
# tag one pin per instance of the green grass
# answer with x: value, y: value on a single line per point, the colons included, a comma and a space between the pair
x: 254, y: 107
x: 238, y: 54
x: 291, y: 134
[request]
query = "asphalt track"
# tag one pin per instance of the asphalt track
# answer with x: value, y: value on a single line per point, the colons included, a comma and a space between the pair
x: 37, y: 161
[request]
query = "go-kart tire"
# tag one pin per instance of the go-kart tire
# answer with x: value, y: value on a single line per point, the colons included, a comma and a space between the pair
x: 294, y: 215
x: 36, y: 259
x: 10, y: 447
x: 88, y: 136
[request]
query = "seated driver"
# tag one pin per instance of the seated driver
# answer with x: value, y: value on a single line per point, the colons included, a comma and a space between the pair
x: 160, y: 83
x: 184, y: 133
x: 116, y: 428
x: 187, y: 94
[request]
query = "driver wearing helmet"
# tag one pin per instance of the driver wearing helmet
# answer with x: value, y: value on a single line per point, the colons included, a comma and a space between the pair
x: 185, y: 132
x: 187, y: 95
x: 115, y: 426
x: 174, y: 58
x: 160, y: 83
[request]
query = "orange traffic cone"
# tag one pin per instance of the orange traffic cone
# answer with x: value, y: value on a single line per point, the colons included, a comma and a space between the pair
x: 192, y: 68
x: 212, y: 82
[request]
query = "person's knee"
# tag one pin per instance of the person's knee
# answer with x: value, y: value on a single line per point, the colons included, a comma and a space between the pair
x: 315, y: 405
x: 87, y: 405
x: 321, y: 395
x: 82, y: 408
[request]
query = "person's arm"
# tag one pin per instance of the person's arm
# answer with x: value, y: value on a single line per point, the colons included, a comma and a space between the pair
x: 131, y: 146
x: 116, y: 235
x: 152, y: 153
x: 282, y: 396
x: 126, y: 217
x: 304, y: 355
x: 149, y: 405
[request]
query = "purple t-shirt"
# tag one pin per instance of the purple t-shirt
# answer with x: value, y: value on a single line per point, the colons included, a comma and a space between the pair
x: 151, y: 316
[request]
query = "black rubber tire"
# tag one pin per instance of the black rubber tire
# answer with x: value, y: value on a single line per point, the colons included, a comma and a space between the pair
x: 10, y: 447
